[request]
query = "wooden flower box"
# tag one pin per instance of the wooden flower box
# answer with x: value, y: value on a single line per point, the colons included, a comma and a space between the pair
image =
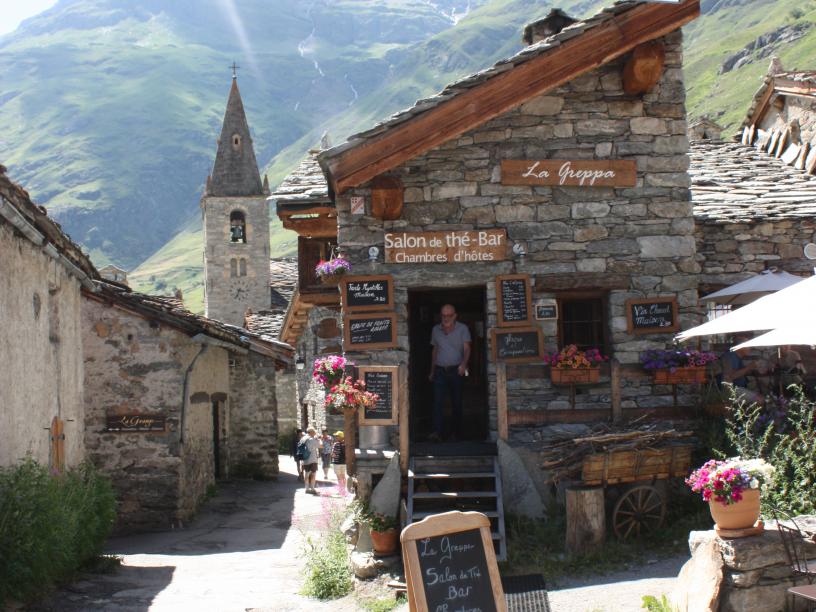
x: 680, y: 376
x: 575, y: 376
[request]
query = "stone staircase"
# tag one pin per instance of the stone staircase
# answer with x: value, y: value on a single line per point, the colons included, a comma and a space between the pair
x: 439, y: 484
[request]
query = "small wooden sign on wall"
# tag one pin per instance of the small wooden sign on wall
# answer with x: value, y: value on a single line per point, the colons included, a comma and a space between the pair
x: 367, y: 293
x: 569, y: 173
x: 652, y: 315
x: 514, y: 300
x: 464, y: 246
x: 381, y: 380
x: 139, y: 423
x: 369, y: 331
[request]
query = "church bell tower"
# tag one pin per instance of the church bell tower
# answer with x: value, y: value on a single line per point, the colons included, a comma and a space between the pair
x: 236, y: 223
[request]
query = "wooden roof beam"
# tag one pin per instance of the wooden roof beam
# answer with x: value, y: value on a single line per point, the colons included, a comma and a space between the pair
x: 505, y: 91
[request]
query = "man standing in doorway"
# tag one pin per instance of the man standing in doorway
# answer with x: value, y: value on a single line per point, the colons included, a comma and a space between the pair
x: 449, y: 365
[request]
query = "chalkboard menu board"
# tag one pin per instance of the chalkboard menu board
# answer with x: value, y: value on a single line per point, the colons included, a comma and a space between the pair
x: 652, y: 315
x: 450, y: 564
x: 369, y: 331
x: 514, y: 299
x: 517, y: 344
x: 367, y: 293
x: 381, y: 380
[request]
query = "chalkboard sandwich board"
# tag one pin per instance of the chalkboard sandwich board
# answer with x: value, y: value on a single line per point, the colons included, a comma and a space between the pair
x: 517, y: 344
x: 367, y: 293
x: 369, y: 331
x: 450, y: 564
x: 514, y: 298
x: 381, y: 380
x: 652, y: 315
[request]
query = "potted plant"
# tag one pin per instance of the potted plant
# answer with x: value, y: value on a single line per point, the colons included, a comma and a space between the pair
x: 732, y: 488
x: 329, y: 370
x: 676, y: 366
x: 330, y: 272
x: 384, y: 529
x: 572, y: 366
x: 349, y: 395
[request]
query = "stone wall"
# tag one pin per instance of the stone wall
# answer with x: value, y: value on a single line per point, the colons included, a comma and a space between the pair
x: 253, y: 439
x: 623, y: 242
x: 288, y: 400
x: 736, y: 575
x: 41, y: 343
x: 133, y: 365
x: 800, y: 111
x: 731, y: 252
x: 227, y: 296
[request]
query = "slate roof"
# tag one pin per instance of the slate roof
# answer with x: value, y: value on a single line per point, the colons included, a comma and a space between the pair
x: 283, y: 274
x: 46, y: 230
x: 732, y: 182
x: 169, y: 311
x: 306, y: 185
x: 235, y: 171
x: 473, y: 80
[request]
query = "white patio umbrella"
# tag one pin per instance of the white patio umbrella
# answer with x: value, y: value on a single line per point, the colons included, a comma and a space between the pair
x: 750, y: 289
x: 783, y: 336
x: 792, y: 308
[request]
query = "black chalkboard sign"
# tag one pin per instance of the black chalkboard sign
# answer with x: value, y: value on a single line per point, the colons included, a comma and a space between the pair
x: 381, y: 380
x: 517, y: 344
x: 450, y: 564
x: 514, y: 300
x: 546, y: 310
x: 369, y: 331
x: 367, y: 293
x: 652, y: 315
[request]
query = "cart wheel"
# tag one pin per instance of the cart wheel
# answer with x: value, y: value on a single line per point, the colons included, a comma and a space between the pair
x: 638, y: 511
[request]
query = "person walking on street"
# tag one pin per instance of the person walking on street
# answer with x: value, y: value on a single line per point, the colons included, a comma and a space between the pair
x: 325, y: 451
x: 338, y: 459
x: 313, y: 445
x: 449, y: 365
x: 298, y: 463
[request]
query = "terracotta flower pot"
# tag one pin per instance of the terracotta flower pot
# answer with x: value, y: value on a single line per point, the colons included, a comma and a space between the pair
x: 680, y: 376
x: 575, y: 376
x: 741, y: 515
x: 385, y: 542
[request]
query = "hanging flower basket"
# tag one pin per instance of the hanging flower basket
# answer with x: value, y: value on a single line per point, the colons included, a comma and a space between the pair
x: 575, y: 376
x: 332, y: 271
x: 680, y: 376
x: 331, y: 279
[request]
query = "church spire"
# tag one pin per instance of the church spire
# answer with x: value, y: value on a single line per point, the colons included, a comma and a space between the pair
x: 235, y: 171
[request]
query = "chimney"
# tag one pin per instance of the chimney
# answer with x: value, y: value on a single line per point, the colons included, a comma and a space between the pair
x: 553, y: 23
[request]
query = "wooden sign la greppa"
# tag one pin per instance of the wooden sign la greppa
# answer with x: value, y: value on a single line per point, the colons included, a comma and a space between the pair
x: 446, y: 247
x: 569, y: 173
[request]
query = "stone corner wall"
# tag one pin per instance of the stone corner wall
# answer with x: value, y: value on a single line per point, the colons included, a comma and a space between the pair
x: 253, y: 436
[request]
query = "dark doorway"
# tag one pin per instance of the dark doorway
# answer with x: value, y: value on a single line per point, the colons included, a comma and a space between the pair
x: 216, y: 429
x: 423, y: 313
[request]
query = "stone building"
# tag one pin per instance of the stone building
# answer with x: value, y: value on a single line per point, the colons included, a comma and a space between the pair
x: 236, y: 223
x: 754, y: 198
x: 174, y: 401
x: 704, y: 129
x: 42, y: 273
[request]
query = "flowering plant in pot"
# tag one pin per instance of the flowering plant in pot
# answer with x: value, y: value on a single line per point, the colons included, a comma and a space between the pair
x: 572, y: 365
x: 384, y: 532
x: 329, y: 370
x: 732, y: 488
x: 349, y: 394
x: 672, y: 366
x: 330, y: 271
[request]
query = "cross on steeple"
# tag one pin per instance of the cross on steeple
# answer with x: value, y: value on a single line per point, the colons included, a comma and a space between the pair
x: 234, y: 70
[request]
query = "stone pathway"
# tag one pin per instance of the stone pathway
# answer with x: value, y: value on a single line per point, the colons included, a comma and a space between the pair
x: 241, y: 553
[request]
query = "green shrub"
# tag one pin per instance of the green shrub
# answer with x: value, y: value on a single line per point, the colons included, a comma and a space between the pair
x: 328, y: 570
x: 49, y: 525
x: 785, y: 436
x: 653, y: 604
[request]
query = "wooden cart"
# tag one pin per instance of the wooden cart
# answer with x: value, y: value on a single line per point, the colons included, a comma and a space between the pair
x: 642, y: 507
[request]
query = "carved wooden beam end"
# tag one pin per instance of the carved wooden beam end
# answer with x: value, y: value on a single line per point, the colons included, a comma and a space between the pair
x: 386, y: 198
x: 643, y: 70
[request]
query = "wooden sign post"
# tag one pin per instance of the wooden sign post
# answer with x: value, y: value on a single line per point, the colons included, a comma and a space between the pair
x: 450, y: 564
x: 381, y: 380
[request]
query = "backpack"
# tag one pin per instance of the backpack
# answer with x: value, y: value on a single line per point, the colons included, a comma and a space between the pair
x: 302, y: 450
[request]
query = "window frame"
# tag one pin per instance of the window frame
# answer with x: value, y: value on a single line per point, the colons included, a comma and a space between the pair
x: 602, y: 297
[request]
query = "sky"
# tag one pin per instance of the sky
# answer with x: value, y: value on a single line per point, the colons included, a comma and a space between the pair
x: 12, y: 12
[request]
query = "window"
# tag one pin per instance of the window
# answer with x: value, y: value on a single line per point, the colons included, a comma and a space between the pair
x: 237, y: 226
x: 233, y: 267
x: 242, y: 267
x: 582, y: 321
x: 310, y: 252
x: 236, y: 141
